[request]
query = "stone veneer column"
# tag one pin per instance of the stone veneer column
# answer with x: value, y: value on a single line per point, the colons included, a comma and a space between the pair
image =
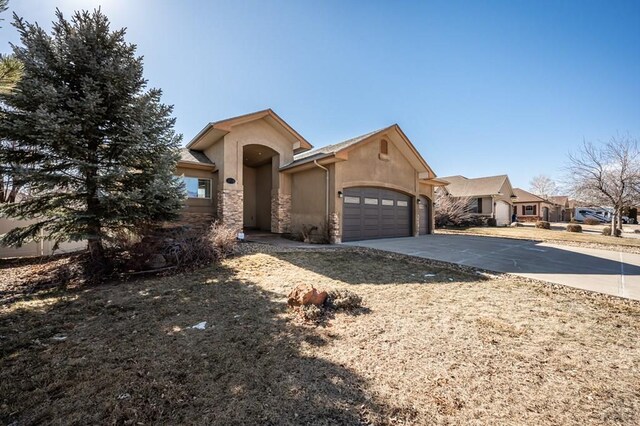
x: 230, y: 206
x: 280, y: 212
x: 334, y: 228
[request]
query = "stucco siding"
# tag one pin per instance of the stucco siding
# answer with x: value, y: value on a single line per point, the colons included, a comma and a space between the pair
x: 505, y: 193
x: 308, y: 199
x: 365, y: 167
x: 426, y: 190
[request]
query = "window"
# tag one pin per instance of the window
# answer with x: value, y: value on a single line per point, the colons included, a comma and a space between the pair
x: 197, y: 187
x: 352, y: 200
x: 384, y: 147
x: 371, y: 201
x: 529, y: 210
x: 475, y: 205
x: 402, y: 203
x: 387, y: 202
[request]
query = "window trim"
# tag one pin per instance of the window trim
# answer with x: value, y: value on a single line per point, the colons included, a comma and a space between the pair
x: 199, y: 179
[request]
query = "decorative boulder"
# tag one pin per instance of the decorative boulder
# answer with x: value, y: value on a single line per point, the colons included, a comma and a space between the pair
x: 306, y: 294
x: 516, y: 224
x: 156, y: 261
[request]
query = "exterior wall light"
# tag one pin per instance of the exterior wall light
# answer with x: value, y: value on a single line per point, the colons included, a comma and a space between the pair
x: 419, y: 201
x: 339, y: 194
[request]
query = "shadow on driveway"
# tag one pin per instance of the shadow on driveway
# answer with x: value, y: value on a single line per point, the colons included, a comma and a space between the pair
x: 590, y: 269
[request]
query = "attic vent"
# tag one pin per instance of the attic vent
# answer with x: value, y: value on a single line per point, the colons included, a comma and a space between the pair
x: 384, y: 147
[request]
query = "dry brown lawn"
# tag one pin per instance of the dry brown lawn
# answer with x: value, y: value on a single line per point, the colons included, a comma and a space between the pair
x: 453, y: 348
x: 553, y: 235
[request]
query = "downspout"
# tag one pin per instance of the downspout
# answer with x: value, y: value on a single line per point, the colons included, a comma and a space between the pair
x: 326, y: 215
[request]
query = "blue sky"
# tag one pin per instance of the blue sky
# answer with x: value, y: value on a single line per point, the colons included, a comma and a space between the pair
x: 481, y: 88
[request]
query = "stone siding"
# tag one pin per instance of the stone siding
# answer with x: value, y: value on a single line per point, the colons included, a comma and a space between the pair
x: 529, y: 218
x: 230, y: 206
x: 199, y: 222
x: 280, y: 213
x: 334, y: 228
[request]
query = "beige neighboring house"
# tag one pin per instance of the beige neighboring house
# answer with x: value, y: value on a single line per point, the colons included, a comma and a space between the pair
x: 490, y: 196
x: 530, y: 207
x: 561, y: 210
x: 256, y: 172
x: 40, y: 248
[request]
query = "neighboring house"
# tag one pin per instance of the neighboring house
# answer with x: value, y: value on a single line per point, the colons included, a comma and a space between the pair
x: 561, y: 209
x: 490, y: 196
x: 530, y: 208
x: 255, y: 171
x: 40, y: 248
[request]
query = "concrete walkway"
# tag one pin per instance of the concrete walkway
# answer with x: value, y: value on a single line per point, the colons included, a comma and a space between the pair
x: 610, y: 272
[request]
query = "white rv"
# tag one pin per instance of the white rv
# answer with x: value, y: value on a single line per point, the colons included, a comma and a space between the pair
x: 607, y: 212
x: 583, y: 213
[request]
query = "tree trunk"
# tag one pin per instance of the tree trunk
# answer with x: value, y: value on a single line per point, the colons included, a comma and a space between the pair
x: 620, y: 221
x: 613, y: 225
x: 96, y: 250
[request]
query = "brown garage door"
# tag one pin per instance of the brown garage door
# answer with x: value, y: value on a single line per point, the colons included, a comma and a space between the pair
x: 370, y: 213
x: 424, y: 212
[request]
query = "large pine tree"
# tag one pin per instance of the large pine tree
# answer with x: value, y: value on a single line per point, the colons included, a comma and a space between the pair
x: 94, y: 147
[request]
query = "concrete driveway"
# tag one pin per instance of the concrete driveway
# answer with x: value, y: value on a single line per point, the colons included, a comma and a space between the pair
x: 604, y: 271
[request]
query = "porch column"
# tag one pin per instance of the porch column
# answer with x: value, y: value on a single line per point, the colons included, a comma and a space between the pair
x: 230, y: 202
x: 230, y: 192
x: 280, y: 198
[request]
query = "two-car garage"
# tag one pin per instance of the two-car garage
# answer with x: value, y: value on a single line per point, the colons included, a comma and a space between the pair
x: 370, y: 213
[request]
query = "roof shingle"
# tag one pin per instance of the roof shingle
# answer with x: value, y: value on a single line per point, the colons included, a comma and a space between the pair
x: 526, y: 196
x: 461, y: 186
x: 193, y: 156
x: 333, y: 148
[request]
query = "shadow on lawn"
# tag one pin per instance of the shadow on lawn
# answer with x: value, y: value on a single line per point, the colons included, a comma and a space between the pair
x: 125, y: 353
x: 358, y: 266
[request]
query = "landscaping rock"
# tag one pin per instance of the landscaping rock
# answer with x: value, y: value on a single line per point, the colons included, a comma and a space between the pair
x: 543, y: 224
x: 306, y: 294
x: 156, y: 261
x: 516, y: 224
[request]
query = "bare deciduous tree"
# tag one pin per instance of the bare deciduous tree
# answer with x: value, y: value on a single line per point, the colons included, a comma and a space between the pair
x: 450, y: 210
x: 607, y: 174
x: 543, y: 186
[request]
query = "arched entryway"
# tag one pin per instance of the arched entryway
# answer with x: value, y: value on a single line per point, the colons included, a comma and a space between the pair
x: 257, y: 179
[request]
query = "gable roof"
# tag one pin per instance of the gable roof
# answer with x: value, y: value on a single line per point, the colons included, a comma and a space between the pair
x: 460, y: 186
x: 526, y: 197
x: 222, y: 127
x: 193, y: 156
x: 195, y: 159
x: 336, y: 147
x: 345, y: 146
x: 561, y: 200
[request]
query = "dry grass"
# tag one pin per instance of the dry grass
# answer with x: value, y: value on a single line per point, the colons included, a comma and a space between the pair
x: 553, y: 235
x: 449, y: 348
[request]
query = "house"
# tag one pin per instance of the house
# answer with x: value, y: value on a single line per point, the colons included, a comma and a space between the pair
x: 490, y: 196
x: 256, y: 172
x: 561, y: 208
x: 529, y: 207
